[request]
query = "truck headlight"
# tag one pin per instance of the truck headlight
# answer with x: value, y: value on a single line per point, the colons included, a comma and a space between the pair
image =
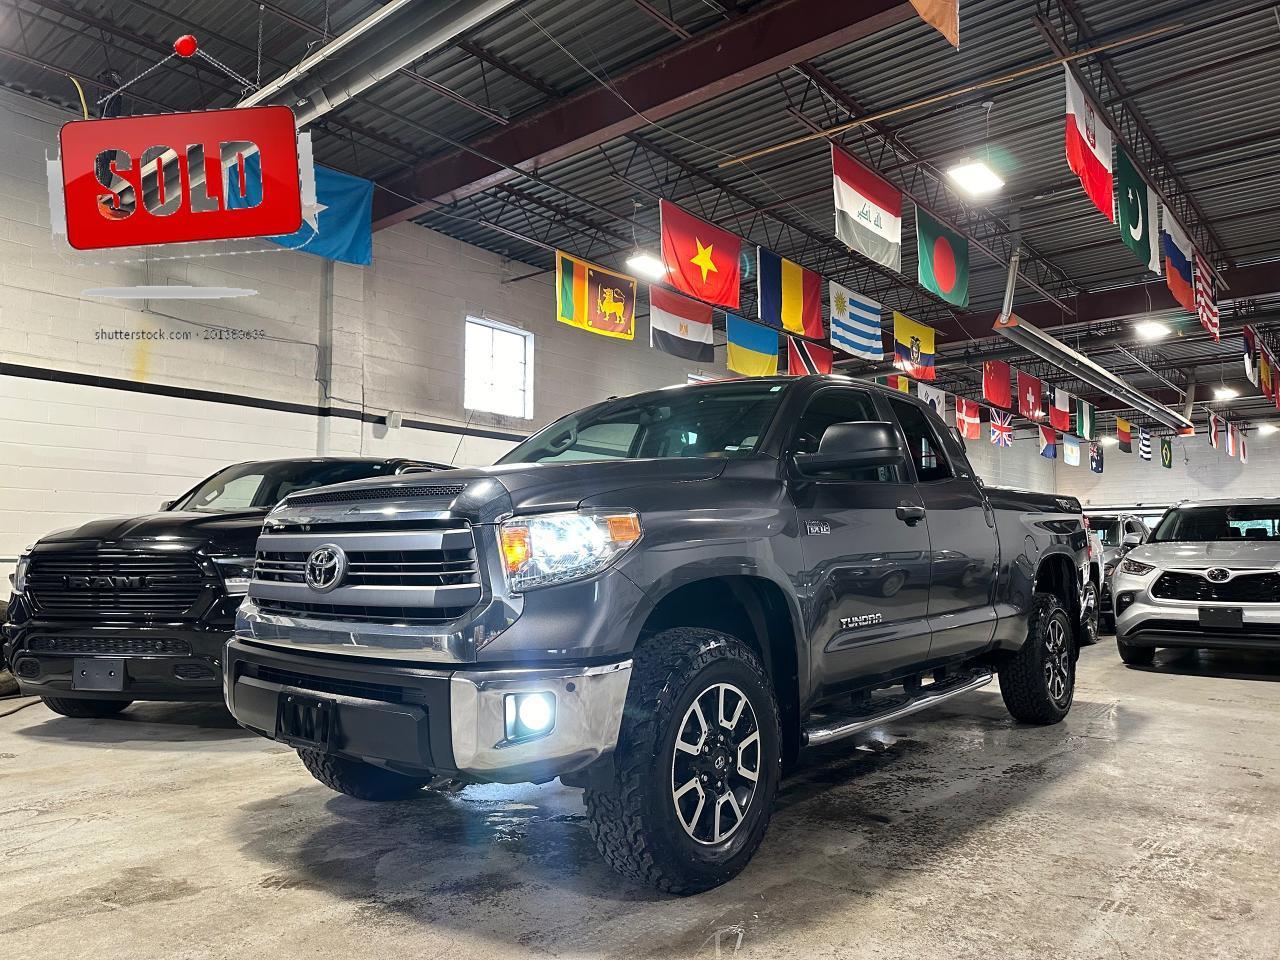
x: 1136, y: 567
x: 552, y: 548
x: 19, y: 576
x: 236, y: 573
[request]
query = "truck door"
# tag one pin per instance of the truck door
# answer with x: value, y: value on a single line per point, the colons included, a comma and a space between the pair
x: 866, y: 556
x: 964, y: 548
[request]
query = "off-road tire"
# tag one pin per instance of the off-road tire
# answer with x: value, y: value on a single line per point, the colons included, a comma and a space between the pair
x: 632, y: 817
x: 1024, y: 684
x: 85, y: 709
x: 358, y: 779
x: 1135, y: 656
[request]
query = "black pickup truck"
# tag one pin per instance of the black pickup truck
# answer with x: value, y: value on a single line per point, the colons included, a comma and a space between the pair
x: 661, y: 599
x: 139, y: 608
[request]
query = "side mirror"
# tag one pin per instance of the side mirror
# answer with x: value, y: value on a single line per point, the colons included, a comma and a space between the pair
x: 853, y: 445
x: 1131, y: 540
x: 167, y: 505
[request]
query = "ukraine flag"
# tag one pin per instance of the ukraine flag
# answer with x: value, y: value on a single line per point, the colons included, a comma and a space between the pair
x: 753, y: 349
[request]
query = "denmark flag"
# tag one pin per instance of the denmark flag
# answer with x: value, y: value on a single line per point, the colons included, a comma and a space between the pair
x: 1089, y: 148
x: 968, y: 418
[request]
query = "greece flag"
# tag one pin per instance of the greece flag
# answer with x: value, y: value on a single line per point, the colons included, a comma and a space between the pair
x: 855, y: 324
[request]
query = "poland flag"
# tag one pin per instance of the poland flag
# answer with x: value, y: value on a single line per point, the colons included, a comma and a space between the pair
x: 1089, y: 148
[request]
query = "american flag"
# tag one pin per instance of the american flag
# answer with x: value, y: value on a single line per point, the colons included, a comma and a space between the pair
x: 1206, y: 298
x: 1001, y: 428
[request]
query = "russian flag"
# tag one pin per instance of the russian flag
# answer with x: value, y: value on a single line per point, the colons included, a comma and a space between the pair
x: 1178, y: 251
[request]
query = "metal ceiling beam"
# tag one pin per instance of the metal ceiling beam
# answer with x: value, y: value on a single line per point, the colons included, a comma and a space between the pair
x: 725, y: 58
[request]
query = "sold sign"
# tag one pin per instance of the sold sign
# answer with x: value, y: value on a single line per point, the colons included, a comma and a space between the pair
x: 179, y: 177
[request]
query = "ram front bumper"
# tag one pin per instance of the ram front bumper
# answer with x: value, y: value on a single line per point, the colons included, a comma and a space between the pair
x: 429, y: 721
x: 1143, y: 620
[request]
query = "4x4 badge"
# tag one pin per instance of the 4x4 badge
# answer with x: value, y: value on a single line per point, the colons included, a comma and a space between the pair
x: 816, y: 528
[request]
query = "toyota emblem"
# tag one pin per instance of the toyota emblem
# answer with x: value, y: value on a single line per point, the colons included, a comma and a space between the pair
x: 326, y: 566
x: 1219, y: 575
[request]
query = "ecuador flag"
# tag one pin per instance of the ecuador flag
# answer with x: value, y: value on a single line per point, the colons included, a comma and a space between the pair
x: 790, y: 297
x: 753, y: 349
x: 595, y: 299
x: 913, y: 347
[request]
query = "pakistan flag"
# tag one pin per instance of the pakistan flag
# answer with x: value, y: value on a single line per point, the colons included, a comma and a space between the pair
x: 1137, y: 213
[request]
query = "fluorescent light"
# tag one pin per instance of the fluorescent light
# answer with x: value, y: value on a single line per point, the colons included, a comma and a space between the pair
x: 1225, y: 393
x: 1151, y: 330
x: 1266, y: 429
x: 169, y: 292
x: 975, y: 177
x: 1109, y: 441
x: 647, y: 265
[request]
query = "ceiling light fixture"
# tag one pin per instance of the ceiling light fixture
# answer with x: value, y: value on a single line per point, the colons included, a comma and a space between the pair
x: 1224, y: 392
x: 646, y: 265
x: 1151, y: 330
x: 1267, y: 429
x: 975, y: 177
x: 1109, y: 441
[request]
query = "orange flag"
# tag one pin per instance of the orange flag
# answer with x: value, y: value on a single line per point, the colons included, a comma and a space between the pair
x: 943, y: 15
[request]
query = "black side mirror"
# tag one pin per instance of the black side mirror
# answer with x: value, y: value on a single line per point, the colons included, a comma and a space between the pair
x: 167, y: 505
x: 853, y: 445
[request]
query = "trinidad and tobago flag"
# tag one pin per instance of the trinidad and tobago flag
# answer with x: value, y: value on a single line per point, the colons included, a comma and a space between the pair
x: 804, y: 358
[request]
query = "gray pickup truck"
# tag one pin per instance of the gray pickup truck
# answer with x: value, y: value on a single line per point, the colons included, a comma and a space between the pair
x: 661, y: 599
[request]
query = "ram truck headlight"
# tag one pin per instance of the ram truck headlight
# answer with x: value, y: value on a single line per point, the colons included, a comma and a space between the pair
x: 18, y: 578
x: 1136, y: 567
x: 551, y: 548
x: 236, y: 574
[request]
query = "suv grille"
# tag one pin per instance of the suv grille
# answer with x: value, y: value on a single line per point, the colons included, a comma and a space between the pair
x: 382, y: 568
x: 115, y: 584
x: 1242, y: 588
x: 112, y: 646
x: 375, y: 493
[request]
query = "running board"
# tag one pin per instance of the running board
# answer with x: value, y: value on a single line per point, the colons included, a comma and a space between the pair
x: 837, y: 728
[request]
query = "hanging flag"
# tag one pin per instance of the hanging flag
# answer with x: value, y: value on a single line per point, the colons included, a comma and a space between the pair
x: 701, y: 260
x: 1214, y: 427
x: 1060, y: 412
x: 855, y: 324
x: 1206, y: 296
x: 1232, y: 439
x: 913, y: 348
x: 943, y: 259
x: 1030, y: 396
x: 968, y: 418
x: 753, y: 349
x: 595, y: 299
x: 1124, y: 434
x: 1138, y: 211
x: 943, y: 16
x: 935, y: 398
x: 1048, y: 443
x: 894, y: 381
x: 1070, y: 450
x: 868, y: 211
x: 995, y: 384
x: 789, y: 296
x: 1089, y: 147
x: 1095, y: 457
x: 1166, y: 453
x: 680, y: 326
x: 1265, y: 370
x: 1086, y: 420
x: 1144, y: 443
x: 1249, y: 338
x: 804, y: 358
x: 1177, y: 260
x: 1244, y: 450
x: 1001, y: 428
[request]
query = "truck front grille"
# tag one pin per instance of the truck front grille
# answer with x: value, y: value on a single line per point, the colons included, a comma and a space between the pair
x: 1243, y: 588
x: 410, y: 616
x: 112, y: 646
x: 115, y: 584
x: 386, y: 568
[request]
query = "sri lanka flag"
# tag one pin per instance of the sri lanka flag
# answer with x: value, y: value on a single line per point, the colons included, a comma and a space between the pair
x: 753, y: 349
x: 790, y: 297
x: 1048, y: 443
x: 913, y: 347
x: 1177, y: 261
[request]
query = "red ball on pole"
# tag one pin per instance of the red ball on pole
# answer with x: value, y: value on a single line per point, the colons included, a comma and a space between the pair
x: 185, y: 45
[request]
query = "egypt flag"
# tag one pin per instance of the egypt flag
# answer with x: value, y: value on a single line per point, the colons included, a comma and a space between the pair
x: 1060, y: 412
x: 868, y: 211
x: 680, y: 326
x: 1124, y: 435
x: 595, y: 299
x: 700, y: 260
x: 995, y: 384
x: 804, y: 358
x: 790, y: 297
x: 1249, y: 336
x: 1048, y: 443
x: 1030, y: 396
x: 1089, y: 148
x: 968, y: 418
x: 913, y: 347
x: 943, y: 258
x: 1177, y: 261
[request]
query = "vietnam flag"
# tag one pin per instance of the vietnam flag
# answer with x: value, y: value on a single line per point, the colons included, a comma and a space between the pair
x: 1089, y: 148
x: 995, y: 384
x: 1030, y: 396
x: 701, y: 260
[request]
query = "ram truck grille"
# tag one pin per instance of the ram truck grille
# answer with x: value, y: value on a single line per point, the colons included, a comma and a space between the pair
x: 1242, y: 588
x: 115, y: 584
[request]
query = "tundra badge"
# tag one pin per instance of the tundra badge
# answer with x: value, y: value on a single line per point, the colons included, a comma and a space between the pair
x: 866, y: 620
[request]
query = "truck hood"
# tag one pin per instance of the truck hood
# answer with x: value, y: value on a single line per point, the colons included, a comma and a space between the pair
x: 1234, y: 554
x: 220, y: 529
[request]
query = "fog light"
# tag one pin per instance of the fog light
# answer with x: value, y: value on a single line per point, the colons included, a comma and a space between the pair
x: 529, y: 715
x: 28, y: 669
x: 1124, y: 601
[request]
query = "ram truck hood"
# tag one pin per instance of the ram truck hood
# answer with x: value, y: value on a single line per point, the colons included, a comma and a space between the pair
x: 219, y: 528
x: 1233, y: 554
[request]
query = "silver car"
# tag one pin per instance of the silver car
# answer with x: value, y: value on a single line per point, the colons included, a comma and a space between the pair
x: 1209, y: 576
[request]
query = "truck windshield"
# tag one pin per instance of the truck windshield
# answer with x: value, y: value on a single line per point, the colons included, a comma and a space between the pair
x: 249, y: 486
x: 702, y: 420
x: 1231, y: 522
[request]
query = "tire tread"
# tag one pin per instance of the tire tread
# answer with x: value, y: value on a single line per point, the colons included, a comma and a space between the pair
x: 1021, y: 675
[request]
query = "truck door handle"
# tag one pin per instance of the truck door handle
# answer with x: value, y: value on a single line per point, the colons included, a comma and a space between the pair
x: 910, y: 514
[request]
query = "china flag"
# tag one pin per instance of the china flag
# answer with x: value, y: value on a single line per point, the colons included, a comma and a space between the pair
x: 701, y: 260
x: 995, y: 384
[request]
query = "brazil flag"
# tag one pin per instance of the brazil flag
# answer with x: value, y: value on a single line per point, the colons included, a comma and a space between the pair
x: 1166, y: 454
x: 943, y: 258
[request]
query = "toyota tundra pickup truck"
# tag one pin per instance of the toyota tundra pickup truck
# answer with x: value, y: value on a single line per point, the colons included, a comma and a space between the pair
x: 661, y: 599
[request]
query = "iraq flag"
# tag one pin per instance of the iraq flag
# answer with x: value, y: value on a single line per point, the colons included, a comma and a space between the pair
x: 1138, y: 212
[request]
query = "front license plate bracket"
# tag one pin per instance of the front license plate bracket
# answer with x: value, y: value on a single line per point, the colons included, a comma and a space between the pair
x: 306, y: 721
x: 97, y: 673
x: 1221, y: 618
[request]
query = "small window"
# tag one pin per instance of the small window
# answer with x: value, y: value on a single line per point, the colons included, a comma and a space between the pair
x: 498, y: 369
x: 923, y: 445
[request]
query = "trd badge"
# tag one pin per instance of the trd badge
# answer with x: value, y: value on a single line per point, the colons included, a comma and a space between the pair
x: 816, y: 528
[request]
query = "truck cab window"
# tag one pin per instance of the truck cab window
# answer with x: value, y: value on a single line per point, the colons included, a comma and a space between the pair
x: 839, y: 406
x: 923, y: 445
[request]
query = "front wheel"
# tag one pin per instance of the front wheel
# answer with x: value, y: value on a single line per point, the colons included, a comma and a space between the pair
x: 1089, y: 620
x: 83, y: 709
x: 697, y: 764
x: 1038, y: 682
x: 358, y: 779
x: 1135, y: 656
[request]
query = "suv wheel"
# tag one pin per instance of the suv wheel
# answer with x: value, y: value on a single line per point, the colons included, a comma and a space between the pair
x: 1135, y: 656
x: 358, y: 779
x: 84, y: 709
x: 1038, y: 682
x: 697, y: 764
x: 1089, y: 622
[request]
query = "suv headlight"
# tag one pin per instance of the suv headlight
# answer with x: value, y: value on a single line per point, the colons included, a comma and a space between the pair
x: 1136, y: 567
x: 553, y: 548
x: 236, y: 573
x: 19, y: 576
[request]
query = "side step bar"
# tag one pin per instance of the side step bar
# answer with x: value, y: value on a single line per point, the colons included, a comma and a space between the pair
x: 837, y: 728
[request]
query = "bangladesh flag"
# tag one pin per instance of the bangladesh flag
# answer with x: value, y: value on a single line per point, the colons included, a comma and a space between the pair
x: 944, y: 260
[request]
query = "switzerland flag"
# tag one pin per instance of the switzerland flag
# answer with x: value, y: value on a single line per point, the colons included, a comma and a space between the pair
x: 1030, y: 396
x: 701, y: 260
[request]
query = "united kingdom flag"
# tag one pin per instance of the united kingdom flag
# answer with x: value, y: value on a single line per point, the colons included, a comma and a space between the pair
x: 1001, y: 428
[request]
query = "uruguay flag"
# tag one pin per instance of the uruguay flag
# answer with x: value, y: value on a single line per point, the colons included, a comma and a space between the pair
x: 855, y: 323
x: 1178, y: 250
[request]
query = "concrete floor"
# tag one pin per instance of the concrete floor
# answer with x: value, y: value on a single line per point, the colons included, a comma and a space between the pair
x: 1147, y: 825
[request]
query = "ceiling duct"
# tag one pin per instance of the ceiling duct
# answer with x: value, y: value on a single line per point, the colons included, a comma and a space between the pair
x: 1036, y: 341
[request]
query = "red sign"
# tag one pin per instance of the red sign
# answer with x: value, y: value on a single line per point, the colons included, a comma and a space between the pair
x: 131, y: 181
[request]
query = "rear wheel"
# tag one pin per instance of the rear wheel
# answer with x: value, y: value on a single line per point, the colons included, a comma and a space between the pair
x: 84, y: 709
x: 1038, y: 682
x: 358, y: 779
x: 1135, y: 656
